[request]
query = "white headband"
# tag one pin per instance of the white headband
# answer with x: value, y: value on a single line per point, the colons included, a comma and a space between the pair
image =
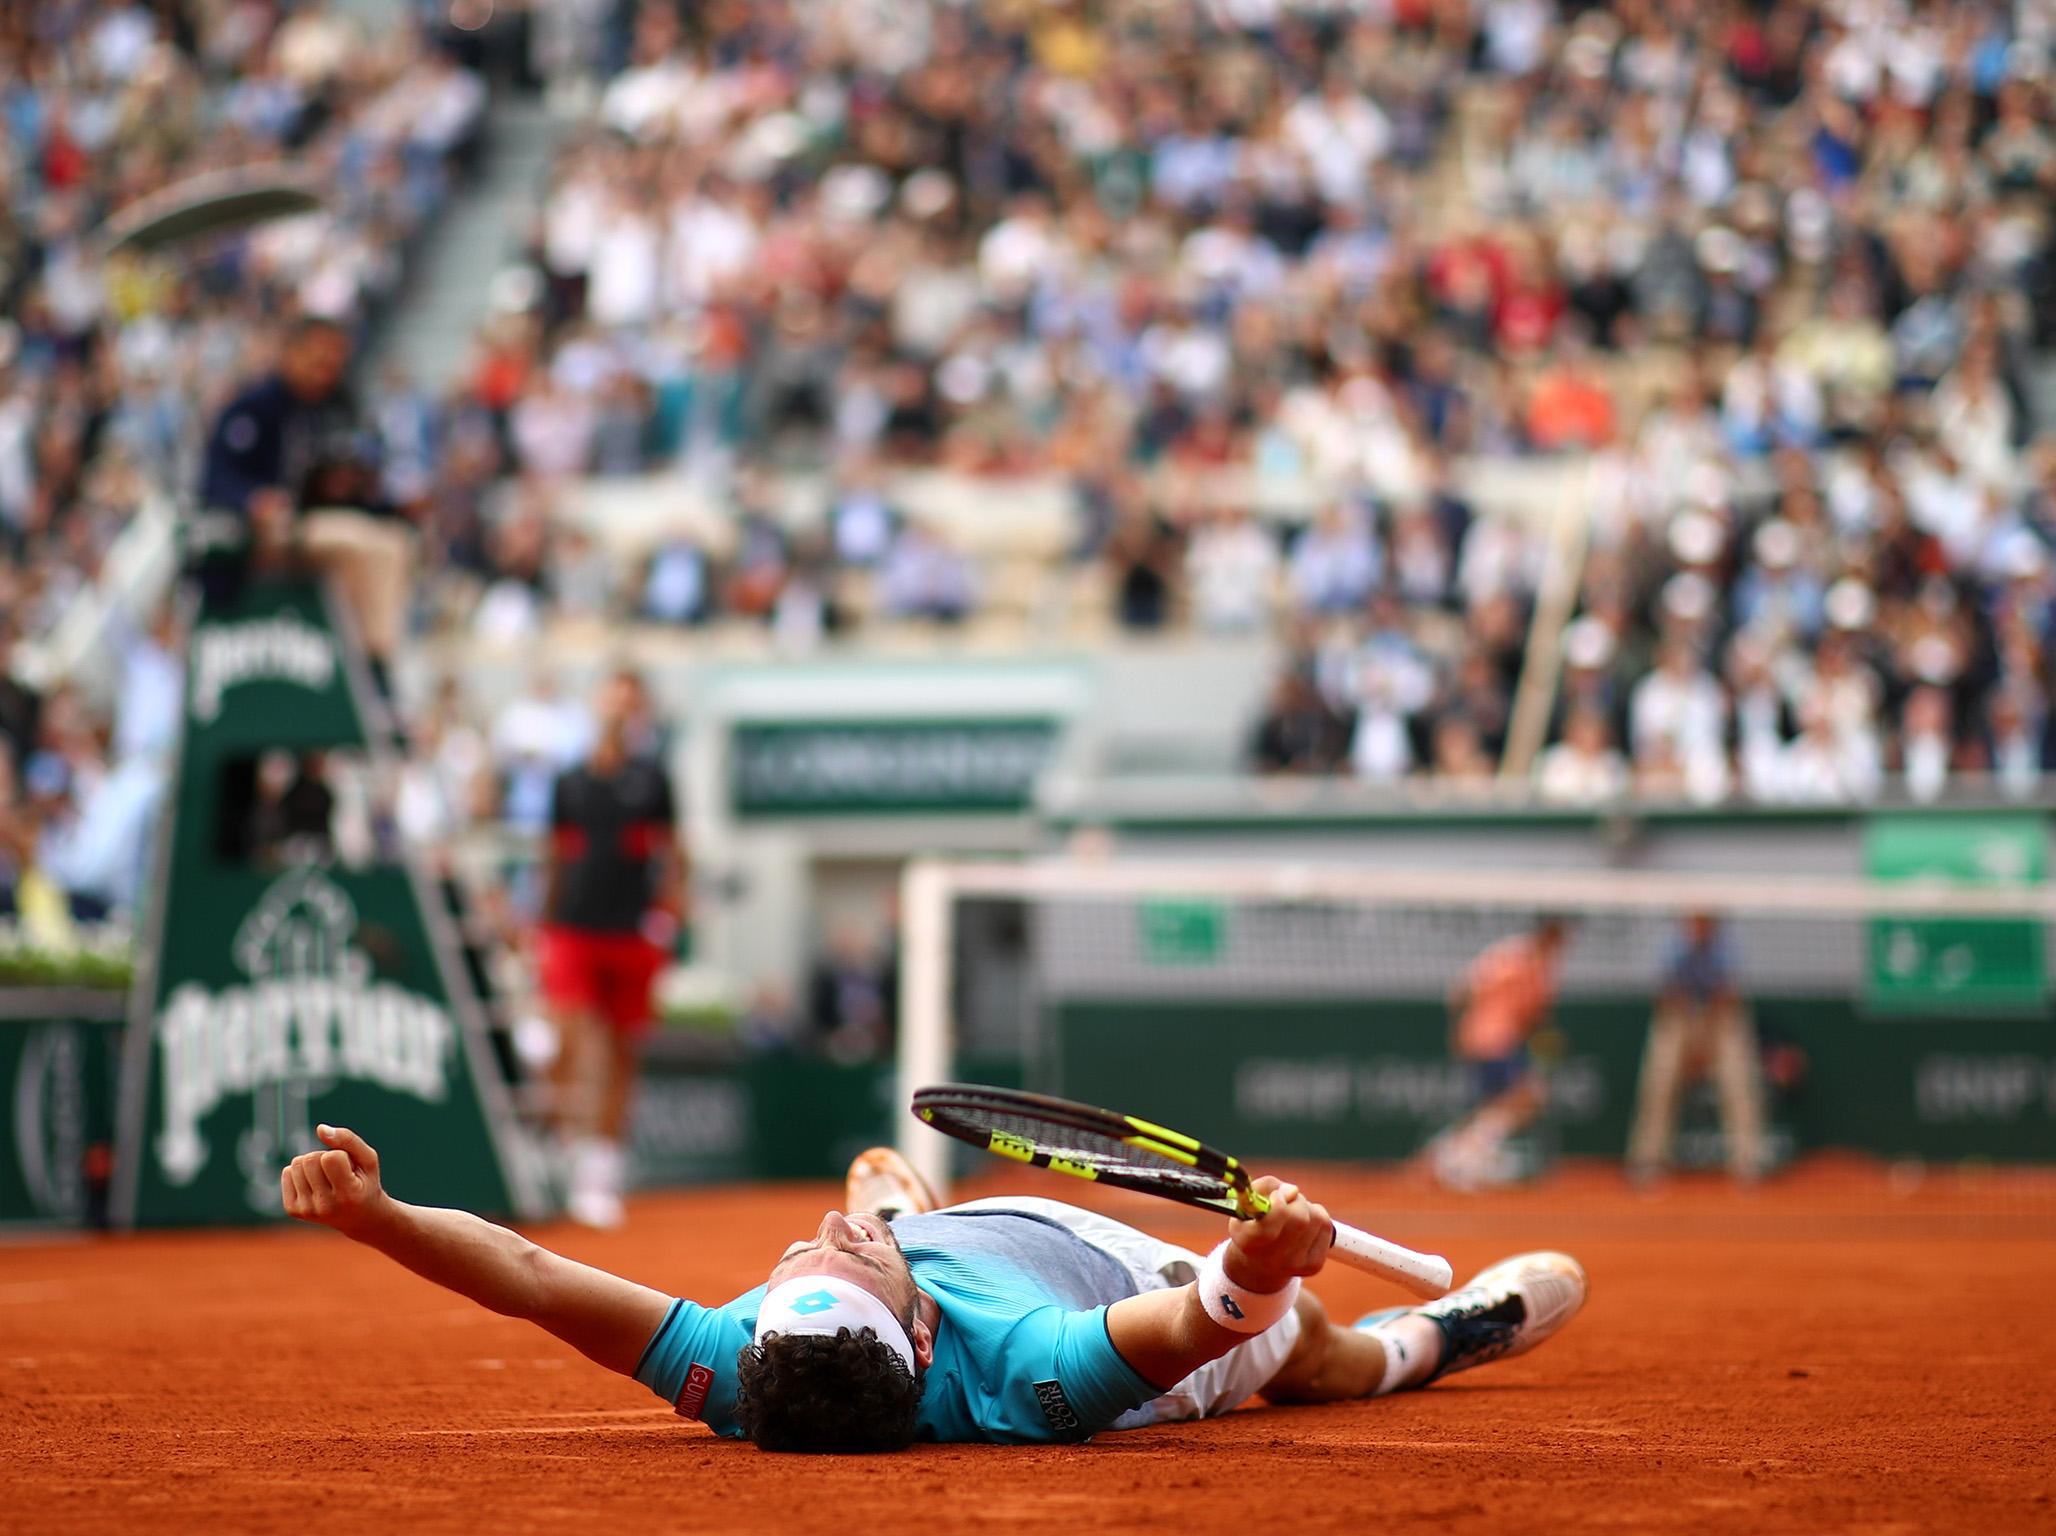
x: 825, y: 1304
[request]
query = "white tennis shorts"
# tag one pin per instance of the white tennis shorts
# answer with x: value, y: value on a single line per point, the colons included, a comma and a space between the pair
x: 1155, y: 1265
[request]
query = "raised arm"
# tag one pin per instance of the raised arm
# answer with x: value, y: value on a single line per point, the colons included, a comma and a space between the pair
x: 604, y: 1317
x: 1167, y: 1335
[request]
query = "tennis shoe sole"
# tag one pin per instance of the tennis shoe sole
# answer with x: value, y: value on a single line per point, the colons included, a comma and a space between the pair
x: 885, y: 1184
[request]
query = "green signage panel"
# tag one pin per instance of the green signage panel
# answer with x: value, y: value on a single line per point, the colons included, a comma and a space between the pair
x: 729, y: 1120
x: 57, y: 1081
x: 1956, y: 965
x: 284, y: 987
x: 1181, y: 931
x: 980, y: 766
x: 1349, y: 1080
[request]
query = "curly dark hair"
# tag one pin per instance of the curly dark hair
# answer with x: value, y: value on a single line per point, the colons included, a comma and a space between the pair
x: 813, y: 1392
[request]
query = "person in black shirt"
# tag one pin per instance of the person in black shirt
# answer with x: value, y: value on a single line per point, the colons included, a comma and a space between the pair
x: 289, y: 462
x: 1299, y: 732
x: 21, y: 707
x: 614, y: 882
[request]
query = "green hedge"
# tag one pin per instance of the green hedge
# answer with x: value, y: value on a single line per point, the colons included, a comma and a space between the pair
x: 102, y: 959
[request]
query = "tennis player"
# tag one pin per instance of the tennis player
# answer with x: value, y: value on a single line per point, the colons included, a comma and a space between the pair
x: 1009, y: 1320
x: 614, y: 878
x: 1502, y: 1000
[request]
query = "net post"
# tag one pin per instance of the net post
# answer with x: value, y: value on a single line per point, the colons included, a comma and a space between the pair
x: 924, y: 1034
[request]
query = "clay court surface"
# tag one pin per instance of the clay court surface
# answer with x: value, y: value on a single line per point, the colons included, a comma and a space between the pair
x: 1835, y: 1354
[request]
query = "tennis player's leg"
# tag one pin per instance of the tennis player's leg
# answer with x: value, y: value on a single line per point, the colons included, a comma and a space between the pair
x: 1504, y: 1311
x: 570, y: 994
x: 628, y: 987
x: 1472, y: 1153
x: 624, y: 970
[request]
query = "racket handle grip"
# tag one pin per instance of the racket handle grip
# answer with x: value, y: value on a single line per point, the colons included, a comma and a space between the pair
x: 1424, y: 1274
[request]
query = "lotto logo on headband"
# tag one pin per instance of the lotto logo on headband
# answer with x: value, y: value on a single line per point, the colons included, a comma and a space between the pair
x: 803, y: 1305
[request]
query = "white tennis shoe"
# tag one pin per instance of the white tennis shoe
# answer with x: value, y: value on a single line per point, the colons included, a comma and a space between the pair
x: 1506, y: 1310
x: 885, y: 1184
x: 598, y: 1171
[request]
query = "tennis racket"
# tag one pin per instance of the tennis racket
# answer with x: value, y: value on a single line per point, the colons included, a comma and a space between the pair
x: 1128, y: 1153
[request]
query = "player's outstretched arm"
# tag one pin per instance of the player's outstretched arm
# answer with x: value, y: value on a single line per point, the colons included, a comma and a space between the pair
x: 604, y: 1317
x: 1167, y: 1335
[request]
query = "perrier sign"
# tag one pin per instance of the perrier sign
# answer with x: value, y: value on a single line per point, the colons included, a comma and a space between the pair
x: 284, y: 986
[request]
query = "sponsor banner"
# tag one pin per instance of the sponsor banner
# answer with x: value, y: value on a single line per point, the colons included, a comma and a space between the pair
x: 1371, y: 1081
x: 688, y: 1126
x: 700, y: 1119
x: 57, y: 1088
x: 1957, y: 964
x: 888, y: 767
x: 267, y: 669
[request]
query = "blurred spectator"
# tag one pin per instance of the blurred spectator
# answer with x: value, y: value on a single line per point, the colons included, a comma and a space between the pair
x: 1679, y: 711
x: 446, y: 783
x: 1300, y: 732
x: 852, y: 996
x: 1143, y: 555
x: 20, y: 707
x: 924, y: 578
x: 1334, y: 563
x: 150, y: 690
x: 536, y: 737
x: 1232, y: 564
x: 677, y: 582
x: 90, y: 816
x: 1582, y: 769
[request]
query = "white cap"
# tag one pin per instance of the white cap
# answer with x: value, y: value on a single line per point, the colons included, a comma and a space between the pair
x: 827, y: 1304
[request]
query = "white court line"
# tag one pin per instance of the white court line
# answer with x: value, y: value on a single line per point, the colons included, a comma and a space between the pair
x: 658, y: 1418
x: 552, y: 1429
x: 27, y: 1291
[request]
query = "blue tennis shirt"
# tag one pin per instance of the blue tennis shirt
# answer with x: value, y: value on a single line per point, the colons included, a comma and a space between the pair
x: 1021, y: 1353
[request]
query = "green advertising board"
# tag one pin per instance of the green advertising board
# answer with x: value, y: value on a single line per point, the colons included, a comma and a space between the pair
x: 869, y: 767
x: 1953, y: 966
x: 1364, y: 1080
x: 59, y: 1062
x: 282, y: 987
x: 701, y: 1118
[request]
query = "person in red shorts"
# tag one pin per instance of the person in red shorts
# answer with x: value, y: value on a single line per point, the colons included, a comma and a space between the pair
x: 614, y: 896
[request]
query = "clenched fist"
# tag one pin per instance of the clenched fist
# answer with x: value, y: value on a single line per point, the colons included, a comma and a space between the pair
x: 1291, y: 1238
x: 338, y: 1188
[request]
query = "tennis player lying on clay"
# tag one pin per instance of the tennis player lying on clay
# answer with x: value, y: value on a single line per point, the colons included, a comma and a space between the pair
x: 1013, y: 1320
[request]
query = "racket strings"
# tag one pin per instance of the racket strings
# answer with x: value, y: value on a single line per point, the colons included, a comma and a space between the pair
x: 1107, y: 1153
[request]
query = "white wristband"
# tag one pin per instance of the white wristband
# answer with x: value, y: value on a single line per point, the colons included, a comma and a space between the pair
x: 1234, y: 1308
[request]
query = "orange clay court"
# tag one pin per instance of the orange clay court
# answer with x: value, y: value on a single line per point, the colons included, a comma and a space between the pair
x: 1831, y: 1353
